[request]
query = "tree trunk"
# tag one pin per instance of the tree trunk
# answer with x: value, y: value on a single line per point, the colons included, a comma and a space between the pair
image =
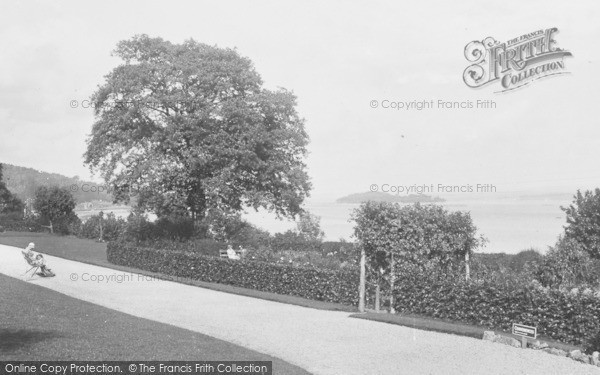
x: 378, y: 292
x: 467, y: 269
x: 361, y: 288
x: 51, y: 227
x: 101, y: 230
x: 392, y: 279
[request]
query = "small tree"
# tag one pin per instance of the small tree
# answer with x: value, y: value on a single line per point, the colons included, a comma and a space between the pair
x: 54, y: 205
x: 583, y: 221
x: 309, y: 227
x: 417, y: 234
x: 377, y: 238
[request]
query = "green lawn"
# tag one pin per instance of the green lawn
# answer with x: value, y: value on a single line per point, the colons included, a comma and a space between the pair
x: 39, y: 324
x: 68, y: 247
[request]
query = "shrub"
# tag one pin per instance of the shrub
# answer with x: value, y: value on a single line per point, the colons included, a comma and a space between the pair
x: 16, y: 223
x: 583, y: 221
x: 568, y: 317
x: 316, y: 259
x: 138, y: 228
x: 67, y: 224
x: 593, y: 345
x: 522, y: 259
x: 311, y: 283
x: 177, y: 228
x: 112, y: 227
x: 568, y: 265
x: 203, y: 246
x: 293, y: 241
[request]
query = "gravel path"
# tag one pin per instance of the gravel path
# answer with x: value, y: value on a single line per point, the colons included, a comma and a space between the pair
x: 322, y: 342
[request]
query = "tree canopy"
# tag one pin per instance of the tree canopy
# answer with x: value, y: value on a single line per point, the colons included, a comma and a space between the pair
x: 414, y: 232
x: 56, y: 205
x: 8, y: 201
x: 583, y: 221
x: 188, y: 128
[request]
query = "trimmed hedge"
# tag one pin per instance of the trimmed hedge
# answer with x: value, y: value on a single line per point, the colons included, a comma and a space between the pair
x: 570, y: 318
x: 321, y: 285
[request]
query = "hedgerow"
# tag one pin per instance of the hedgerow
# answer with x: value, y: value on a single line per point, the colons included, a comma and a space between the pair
x: 321, y: 285
x: 485, y: 301
x: 566, y: 317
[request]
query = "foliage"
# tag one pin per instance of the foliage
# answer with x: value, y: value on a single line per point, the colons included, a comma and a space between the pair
x: 309, y: 227
x: 293, y: 241
x: 311, y: 283
x: 593, y: 344
x: 56, y: 205
x: 138, y: 228
x: 231, y: 227
x: 175, y: 227
x: 189, y: 128
x: 102, y: 227
x: 521, y: 260
x: 583, y: 221
x: 568, y: 265
x: 375, y: 230
x: 8, y: 201
x: 514, y: 263
x: 204, y: 246
x: 415, y: 233
x: 335, y: 256
x: 16, y: 223
x: 567, y: 317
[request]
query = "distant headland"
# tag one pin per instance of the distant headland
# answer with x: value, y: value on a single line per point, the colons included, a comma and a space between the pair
x: 378, y: 196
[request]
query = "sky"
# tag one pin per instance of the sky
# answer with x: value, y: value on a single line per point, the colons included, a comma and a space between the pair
x: 337, y: 57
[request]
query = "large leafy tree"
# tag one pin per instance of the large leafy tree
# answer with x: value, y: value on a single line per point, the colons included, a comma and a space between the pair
x: 188, y: 128
x: 583, y: 221
x: 8, y: 201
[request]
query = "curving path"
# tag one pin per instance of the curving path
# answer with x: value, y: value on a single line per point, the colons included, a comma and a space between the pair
x: 322, y: 342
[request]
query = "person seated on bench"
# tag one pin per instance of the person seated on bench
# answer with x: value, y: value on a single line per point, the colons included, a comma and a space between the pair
x: 231, y: 254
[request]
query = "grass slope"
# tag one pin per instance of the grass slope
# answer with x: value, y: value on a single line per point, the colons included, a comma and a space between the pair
x: 39, y: 324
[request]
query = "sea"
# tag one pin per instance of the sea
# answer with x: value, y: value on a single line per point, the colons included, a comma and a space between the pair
x: 510, y: 224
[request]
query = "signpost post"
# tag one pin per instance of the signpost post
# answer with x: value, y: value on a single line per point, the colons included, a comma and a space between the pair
x: 525, y: 332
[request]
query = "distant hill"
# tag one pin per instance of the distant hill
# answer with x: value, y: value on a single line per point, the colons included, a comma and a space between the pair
x: 378, y: 196
x: 23, y: 182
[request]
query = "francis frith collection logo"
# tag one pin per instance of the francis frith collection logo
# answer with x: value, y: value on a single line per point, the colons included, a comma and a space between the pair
x: 514, y: 63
